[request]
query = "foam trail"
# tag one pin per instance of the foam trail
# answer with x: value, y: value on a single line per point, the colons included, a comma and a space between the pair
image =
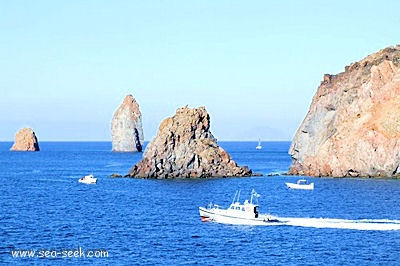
x: 53, y: 180
x: 364, y: 224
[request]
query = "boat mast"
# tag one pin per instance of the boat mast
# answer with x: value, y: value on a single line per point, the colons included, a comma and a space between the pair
x: 234, y: 197
x: 254, y: 194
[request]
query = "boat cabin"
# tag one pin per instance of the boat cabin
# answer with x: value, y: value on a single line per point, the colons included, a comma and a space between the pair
x: 245, y: 209
x: 302, y: 182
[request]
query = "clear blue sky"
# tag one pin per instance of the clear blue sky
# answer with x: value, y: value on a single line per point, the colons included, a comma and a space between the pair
x: 65, y: 66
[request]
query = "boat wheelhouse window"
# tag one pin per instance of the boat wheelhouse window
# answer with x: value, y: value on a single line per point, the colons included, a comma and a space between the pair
x: 243, y: 209
x: 237, y: 208
x: 232, y: 207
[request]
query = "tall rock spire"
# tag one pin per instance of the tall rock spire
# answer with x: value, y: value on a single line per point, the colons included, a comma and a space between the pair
x: 126, y: 127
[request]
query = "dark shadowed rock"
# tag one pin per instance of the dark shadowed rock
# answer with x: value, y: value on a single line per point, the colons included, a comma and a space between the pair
x: 185, y: 148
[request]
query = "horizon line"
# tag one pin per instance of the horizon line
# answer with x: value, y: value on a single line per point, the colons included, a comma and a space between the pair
x: 223, y: 140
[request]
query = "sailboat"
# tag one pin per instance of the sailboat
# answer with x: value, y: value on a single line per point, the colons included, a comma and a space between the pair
x: 259, y: 147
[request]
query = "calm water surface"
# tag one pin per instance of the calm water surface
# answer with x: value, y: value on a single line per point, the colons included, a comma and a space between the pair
x: 156, y: 222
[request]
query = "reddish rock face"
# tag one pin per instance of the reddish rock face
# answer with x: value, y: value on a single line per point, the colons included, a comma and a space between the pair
x: 353, y: 125
x: 185, y: 148
x: 126, y: 127
x: 25, y: 140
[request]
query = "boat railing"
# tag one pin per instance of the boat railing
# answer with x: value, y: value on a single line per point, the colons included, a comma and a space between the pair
x: 213, y: 205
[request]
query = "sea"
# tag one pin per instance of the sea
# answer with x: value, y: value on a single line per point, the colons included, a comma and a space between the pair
x: 48, y: 218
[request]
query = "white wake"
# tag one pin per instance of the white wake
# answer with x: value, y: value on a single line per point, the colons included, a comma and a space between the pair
x: 363, y: 224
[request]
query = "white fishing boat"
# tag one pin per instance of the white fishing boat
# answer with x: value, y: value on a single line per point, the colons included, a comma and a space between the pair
x: 259, y: 147
x: 237, y: 213
x: 88, y: 179
x: 301, y: 184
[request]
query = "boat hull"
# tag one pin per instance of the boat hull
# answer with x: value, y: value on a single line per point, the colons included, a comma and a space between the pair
x: 223, y: 216
x: 300, y: 186
x: 94, y: 181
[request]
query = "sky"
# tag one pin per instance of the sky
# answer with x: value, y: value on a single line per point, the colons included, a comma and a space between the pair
x: 66, y: 66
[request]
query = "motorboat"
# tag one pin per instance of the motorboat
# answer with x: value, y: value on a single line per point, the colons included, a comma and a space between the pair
x: 237, y: 213
x: 259, y: 147
x: 301, y: 184
x: 88, y: 179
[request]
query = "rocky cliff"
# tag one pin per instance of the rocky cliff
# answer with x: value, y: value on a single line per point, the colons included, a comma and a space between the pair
x: 183, y: 148
x: 126, y: 127
x: 25, y: 140
x: 353, y: 125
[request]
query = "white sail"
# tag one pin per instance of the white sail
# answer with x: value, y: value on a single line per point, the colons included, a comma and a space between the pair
x: 259, y: 147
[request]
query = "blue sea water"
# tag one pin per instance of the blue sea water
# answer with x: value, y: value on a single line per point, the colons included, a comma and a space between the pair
x: 156, y: 222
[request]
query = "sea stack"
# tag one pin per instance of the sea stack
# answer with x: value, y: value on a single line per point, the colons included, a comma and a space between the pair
x: 185, y: 148
x: 25, y: 140
x: 126, y: 127
x: 352, y: 128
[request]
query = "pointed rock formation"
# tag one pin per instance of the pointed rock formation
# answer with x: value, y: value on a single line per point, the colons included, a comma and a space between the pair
x: 25, y: 140
x: 353, y: 125
x: 126, y: 127
x: 185, y: 148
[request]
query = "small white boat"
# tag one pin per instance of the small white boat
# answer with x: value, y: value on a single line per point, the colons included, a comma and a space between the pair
x: 237, y: 213
x: 88, y: 179
x: 301, y: 184
x: 259, y: 147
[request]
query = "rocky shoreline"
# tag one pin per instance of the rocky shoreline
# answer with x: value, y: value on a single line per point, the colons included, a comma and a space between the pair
x: 352, y: 129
